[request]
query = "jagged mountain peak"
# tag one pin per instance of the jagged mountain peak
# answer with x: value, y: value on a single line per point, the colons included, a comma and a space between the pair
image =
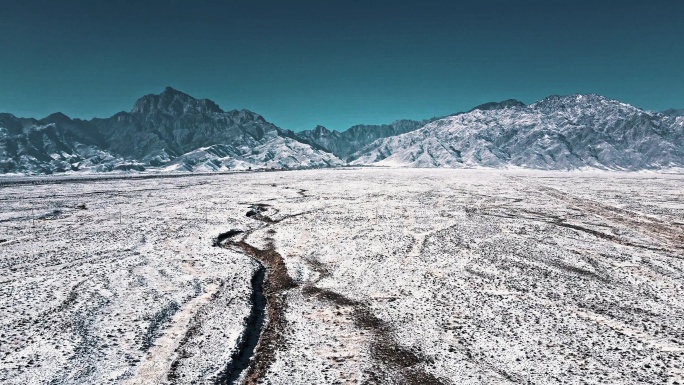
x: 400, y: 122
x: 173, y: 102
x: 508, y: 103
x: 170, y: 130
x: 247, y: 115
x: 57, y: 117
x: 674, y: 112
x: 11, y: 122
x: 578, y: 102
x: 342, y: 144
x: 171, y: 90
x: 321, y: 130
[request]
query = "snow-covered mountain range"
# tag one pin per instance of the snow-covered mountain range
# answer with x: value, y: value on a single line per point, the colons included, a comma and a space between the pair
x: 169, y: 131
x: 173, y: 131
x: 345, y: 143
x: 558, y: 132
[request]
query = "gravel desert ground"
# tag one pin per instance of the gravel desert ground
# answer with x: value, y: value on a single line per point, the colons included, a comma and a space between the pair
x: 344, y: 276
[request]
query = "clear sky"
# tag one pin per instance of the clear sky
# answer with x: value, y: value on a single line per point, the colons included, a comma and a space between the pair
x: 336, y: 63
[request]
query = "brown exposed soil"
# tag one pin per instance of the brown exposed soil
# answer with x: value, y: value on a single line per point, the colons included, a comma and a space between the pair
x: 275, y: 285
x: 666, y: 232
x: 390, y: 358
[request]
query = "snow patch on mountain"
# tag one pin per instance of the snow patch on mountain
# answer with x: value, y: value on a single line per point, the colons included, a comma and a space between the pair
x: 276, y: 153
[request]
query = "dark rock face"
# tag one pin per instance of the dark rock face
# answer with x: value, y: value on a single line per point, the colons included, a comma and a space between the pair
x: 177, y: 123
x: 53, y: 144
x: 171, y: 128
x: 499, y: 105
x: 345, y: 143
x: 674, y: 112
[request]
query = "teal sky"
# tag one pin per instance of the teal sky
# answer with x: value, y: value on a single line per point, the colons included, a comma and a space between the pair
x: 302, y: 63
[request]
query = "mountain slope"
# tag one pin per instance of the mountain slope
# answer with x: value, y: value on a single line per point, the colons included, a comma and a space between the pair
x: 674, y: 112
x: 53, y: 144
x: 171, y: 131
x: 178, y: 123
x: 344, y: 143
x: 559, y: 132
x: 509, y: 103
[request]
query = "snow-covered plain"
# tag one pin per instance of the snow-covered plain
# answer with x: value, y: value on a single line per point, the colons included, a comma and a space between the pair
x: 395, y: 276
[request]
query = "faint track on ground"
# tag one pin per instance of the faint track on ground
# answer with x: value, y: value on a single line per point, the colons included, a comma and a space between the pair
x: 653, y: 227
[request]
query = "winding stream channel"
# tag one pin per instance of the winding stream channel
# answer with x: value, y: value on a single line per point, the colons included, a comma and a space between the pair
x: 263, y: 333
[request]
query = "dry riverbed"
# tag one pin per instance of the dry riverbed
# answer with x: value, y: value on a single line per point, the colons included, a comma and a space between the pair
x: 397, y: 276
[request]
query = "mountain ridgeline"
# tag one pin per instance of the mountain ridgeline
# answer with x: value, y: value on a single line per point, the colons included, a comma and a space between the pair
x: 345, y: 143
x: 173, y: 131
x: 556, y: 133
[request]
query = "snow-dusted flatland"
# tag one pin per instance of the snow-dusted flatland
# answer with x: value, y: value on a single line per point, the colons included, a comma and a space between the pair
x: 395, y: 276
